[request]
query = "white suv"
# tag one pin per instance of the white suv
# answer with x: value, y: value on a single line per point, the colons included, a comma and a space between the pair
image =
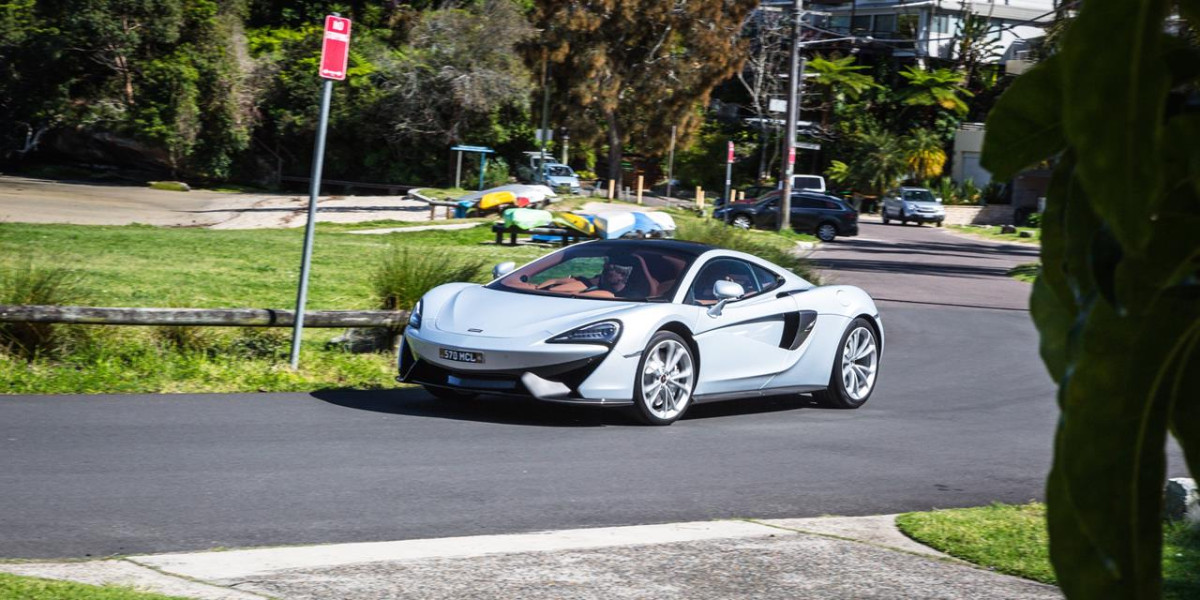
x: 913, y: 204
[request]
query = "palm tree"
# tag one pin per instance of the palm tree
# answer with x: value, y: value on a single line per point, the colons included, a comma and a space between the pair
x: 837, y: 77
x: 882, y: 161
x: 940, y: 87
x: 924, y: 153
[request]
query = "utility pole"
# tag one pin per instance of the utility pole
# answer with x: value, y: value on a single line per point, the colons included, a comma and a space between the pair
x: 545, y: 116
x: 789, y: 159
x: 671, y: 162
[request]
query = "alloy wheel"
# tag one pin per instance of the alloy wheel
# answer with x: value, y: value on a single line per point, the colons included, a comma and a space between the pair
x: 860, y: 361
x: 667, y: 379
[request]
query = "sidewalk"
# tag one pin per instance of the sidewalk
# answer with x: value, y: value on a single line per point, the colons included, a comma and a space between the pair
x: 831, y: 557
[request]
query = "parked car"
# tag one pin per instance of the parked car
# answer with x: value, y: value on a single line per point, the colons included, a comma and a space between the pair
x: 824, y: 216
x: 915, y: 204
x: 654, y: 325
x: 552, y: 173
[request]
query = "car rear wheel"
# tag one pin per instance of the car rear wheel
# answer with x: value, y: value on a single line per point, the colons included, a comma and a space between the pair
x: 666, y: 375
x: 741, y: 221
x: 442, y: 393
x: 854, y: 368
x: 826, y: 232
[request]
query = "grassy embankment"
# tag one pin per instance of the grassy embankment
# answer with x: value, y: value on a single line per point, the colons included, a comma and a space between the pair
x: 992, y: 232
x: 144, y: 266
x: 1013, y: 540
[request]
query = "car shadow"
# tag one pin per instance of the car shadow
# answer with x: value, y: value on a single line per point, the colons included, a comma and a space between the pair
x: 506, y: 410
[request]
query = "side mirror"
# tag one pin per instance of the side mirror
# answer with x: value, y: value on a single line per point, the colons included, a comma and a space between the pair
x: 503, y: 269
x: 725, y: 291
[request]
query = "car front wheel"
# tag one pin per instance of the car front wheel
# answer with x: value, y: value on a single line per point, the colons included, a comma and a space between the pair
x: 854, y: 368
x: 826, y: 232
x: 885, y: 217
x: 666, y: 375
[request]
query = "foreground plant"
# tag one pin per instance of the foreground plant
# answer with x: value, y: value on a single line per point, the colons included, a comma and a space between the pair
x: 1118, y: 301
x: 35, y: 284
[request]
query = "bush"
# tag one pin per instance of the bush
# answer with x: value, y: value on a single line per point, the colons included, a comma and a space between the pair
x: 404, y: 276
x: 772, y: 247
x: 37, y: 285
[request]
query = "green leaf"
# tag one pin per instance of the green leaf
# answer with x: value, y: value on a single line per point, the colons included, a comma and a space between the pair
x: 1025, y: 127
x: 1114, y: 76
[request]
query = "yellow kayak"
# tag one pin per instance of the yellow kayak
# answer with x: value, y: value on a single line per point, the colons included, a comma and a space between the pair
x: 497, y: 199
x: 577, y: 222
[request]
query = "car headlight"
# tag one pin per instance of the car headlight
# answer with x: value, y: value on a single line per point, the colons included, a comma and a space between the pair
x: 604, y: 333
x: 414, y: 317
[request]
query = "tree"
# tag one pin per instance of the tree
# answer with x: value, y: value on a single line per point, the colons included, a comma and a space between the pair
x: 924, y: 153
x: 837, y: 78
x: 939, y: 87
x: 628, y: 70
x: 769, y: 34
x: 1117, y: 304
x: 975, y: 48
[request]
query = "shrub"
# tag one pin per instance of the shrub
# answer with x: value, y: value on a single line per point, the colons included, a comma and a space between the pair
x: 778, y: 250
x: 37, y: 285
x: 403, y: 276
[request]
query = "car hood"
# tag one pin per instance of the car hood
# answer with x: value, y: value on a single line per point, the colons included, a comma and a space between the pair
x: 563, y: 180
x: 499, y: 313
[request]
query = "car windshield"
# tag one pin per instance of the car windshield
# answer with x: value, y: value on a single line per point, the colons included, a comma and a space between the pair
x: 917, y: 196
x: 558, y: 171
x: 602, y: 270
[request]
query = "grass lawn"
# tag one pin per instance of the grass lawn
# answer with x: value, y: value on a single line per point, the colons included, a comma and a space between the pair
x: 1027, y: 272
x: 13, y: 587
x: 992, y: 232
x: 146, y: 266
x: 1013, y: 540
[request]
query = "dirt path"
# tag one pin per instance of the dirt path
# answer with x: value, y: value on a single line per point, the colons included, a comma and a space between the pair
x: 41, y: 201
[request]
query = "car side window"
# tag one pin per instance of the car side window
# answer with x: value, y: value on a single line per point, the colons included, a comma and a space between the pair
x: 722, y: 269
x: 765, y: 279
x: 810, y: 202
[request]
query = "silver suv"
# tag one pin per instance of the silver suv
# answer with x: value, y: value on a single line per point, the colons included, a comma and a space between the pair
x: 913, y: 204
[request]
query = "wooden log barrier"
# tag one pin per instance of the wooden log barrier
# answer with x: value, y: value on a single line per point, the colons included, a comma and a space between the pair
x: 205, y: 317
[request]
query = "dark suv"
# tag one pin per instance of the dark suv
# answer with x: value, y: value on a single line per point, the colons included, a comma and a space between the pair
x: 825, y: 216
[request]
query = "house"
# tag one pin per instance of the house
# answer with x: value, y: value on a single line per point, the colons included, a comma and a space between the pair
x: 926, y: 28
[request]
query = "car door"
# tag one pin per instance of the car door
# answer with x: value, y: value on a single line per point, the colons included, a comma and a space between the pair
x: 805, y: 213
x: 743, y: 347
x: 767, y: 214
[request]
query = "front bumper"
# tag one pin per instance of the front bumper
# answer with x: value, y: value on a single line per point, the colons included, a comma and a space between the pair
x: 920, y: 217
x: 565, y: 377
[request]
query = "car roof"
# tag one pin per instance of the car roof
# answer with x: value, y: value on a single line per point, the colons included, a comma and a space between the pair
x: 680, y: 246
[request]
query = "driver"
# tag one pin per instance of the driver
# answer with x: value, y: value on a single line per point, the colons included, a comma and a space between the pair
x: 613, y: 278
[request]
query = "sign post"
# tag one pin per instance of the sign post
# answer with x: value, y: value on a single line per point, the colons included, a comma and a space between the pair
x: 729, y: 175
x: 335, y: 56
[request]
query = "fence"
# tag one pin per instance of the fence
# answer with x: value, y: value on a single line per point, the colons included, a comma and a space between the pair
x: 206, y: 317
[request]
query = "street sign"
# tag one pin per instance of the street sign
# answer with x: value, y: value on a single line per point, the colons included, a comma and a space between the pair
x: 335, y: 50
x: 777, y: 106
x: 791, y: 156
x: 808, y: 146
x: 729, y: 159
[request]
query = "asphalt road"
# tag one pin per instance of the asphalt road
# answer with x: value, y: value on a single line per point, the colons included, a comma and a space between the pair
x: 963, y: 415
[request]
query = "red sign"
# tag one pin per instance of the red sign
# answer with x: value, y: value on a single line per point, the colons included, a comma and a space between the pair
x: 730, y: 159
x: 335, y: 51
x: 791, y: 156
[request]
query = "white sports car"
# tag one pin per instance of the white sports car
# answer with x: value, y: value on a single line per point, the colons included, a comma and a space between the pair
x: 652, y: 324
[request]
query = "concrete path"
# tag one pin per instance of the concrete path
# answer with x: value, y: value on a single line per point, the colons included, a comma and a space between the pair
x: 832, y: 557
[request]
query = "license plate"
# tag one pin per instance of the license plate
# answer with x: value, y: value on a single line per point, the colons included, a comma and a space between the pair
x: 462, y: 356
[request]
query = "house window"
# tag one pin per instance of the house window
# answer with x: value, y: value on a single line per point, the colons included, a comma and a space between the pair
x: 860, y: 24
x: 841, y: 24
x: 941, y: 24
x: 885, y: 24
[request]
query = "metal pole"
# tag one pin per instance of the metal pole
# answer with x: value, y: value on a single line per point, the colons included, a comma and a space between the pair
x: 671, y: 163
x: 789, y: 155
x: 566, y: 143
x: 313, y: 190
x: 728, y: 176
x: 458, y: 171
x: 545, y: 117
